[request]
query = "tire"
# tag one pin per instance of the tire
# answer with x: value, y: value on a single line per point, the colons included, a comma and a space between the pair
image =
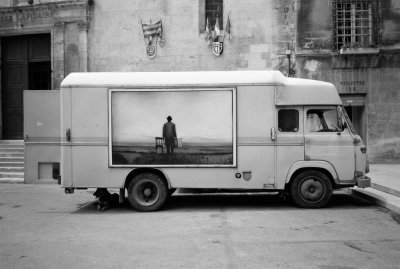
x: 147, y: 192
x: 311, y: 189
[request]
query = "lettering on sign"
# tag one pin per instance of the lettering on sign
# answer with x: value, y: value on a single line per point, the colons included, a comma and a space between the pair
x: 27, y: 16
x: 351, y: 83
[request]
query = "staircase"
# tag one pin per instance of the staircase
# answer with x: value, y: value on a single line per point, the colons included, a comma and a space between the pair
x: 12, y: 161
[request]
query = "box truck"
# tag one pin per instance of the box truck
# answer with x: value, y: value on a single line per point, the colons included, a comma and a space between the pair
x: 149, y: 133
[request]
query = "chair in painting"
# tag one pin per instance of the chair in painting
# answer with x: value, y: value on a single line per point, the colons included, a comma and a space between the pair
x: 160, y: 144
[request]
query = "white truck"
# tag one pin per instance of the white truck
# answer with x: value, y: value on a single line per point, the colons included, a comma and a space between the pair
x: 233, y: 130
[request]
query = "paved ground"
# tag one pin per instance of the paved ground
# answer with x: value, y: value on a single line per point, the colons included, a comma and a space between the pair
x: 385, y: 189
x: 41, y: 227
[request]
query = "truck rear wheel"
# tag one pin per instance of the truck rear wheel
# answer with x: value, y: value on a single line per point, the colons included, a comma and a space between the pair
x: 311, y: 189
x: 147, y: 192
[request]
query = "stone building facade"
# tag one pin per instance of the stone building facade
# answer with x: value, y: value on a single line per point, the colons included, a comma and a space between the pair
x: 293, y: 36
x: 356, y: 46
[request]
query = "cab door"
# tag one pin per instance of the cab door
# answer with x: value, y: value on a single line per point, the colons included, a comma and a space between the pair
x: 326, y: 140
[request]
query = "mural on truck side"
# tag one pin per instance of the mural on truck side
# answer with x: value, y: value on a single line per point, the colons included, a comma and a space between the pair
x: 172, y: 128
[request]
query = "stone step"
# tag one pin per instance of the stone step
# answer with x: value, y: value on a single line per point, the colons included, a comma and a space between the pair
x: 20, y: 152
x: 11, y: 147
x: 15, y: 142
x: 11, y: 154
x: 11, y: 180
x: 11, y: 175
x: 12, y: 159
x: 7, y: 147
x: 12, y: 164
x: 12, y: 169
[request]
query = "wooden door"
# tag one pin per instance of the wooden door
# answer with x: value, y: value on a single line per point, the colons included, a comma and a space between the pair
x: 15, y: 81
x: 26, y: 66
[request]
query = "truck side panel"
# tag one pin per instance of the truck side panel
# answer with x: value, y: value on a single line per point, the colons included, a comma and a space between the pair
x: 89, y: 144
x: 89, y: 116
x: 91, y: 168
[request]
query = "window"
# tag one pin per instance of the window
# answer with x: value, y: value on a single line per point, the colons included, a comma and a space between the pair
x: 288, y: 120
x: 355, y: 23
x: 214, y: 10
x: 323, y: 120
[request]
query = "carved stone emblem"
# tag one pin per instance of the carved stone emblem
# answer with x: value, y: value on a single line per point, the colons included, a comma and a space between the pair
x: 218, y: 47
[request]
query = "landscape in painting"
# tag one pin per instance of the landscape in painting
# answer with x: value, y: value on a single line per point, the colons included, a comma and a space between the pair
x: 202, y: 123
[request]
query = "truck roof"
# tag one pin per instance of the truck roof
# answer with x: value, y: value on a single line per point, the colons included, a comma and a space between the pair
x: 290, y: 91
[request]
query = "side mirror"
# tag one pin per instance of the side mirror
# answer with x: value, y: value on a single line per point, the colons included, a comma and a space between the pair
x: 357, y: 140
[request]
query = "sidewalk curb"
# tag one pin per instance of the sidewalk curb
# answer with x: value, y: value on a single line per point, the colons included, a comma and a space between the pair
x: 383, y: 188
x: 12, y: 180
x: 381, y: 198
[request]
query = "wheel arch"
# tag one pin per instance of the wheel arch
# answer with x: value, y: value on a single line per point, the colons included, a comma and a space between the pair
x: 132, y: 174
x: 321, y: 166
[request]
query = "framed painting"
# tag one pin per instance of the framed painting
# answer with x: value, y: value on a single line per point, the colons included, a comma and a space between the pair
x: 172, y: 127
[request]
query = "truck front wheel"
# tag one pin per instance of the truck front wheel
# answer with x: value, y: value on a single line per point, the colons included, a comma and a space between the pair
x: 311, y: 189
x: 147, y: 192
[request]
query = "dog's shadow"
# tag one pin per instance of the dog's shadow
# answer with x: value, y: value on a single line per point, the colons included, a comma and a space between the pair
x: 93, y: 207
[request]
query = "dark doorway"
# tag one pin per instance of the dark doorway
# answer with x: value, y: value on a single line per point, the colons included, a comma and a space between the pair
x: 357, y: 117
x: 26, y: 62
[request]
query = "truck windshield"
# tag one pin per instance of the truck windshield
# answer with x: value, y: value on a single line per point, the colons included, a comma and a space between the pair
x: 323, y: 120
x: 346, y: 119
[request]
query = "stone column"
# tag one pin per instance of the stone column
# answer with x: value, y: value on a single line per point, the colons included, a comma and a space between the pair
x: 83, y: 45
x: 58, y: 54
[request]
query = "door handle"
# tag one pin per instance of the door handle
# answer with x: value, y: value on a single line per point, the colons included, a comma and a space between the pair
x: 68, y: 135
x: 273, y: 134
x: 308, y: 142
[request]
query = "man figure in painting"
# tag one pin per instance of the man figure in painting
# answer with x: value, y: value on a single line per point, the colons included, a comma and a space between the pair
x: 169, y: 134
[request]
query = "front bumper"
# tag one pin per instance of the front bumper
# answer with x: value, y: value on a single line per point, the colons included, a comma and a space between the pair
x: 363, y: 182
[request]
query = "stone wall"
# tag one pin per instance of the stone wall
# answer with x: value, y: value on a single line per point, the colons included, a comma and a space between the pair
x: 374, y: 76
x: 116, y: 39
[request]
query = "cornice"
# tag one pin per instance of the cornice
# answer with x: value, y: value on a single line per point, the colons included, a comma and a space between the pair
x: 45, y: 6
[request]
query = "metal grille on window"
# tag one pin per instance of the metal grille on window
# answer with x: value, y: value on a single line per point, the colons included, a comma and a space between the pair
x: 355, y: 23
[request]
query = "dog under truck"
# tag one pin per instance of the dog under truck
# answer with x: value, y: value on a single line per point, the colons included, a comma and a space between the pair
x: 236, y: 130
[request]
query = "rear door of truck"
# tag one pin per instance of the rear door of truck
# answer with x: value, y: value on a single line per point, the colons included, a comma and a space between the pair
x: 66, y: 146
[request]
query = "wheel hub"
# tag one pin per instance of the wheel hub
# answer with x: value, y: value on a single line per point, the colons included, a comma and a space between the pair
x: 312, y: 190
x: 147, y: 192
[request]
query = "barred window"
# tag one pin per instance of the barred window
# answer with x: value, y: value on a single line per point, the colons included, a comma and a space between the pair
x: 214, y: 9
x: 355, y: 23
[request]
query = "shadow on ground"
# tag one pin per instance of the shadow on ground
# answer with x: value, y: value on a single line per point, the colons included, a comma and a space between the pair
x: 236, y: 202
